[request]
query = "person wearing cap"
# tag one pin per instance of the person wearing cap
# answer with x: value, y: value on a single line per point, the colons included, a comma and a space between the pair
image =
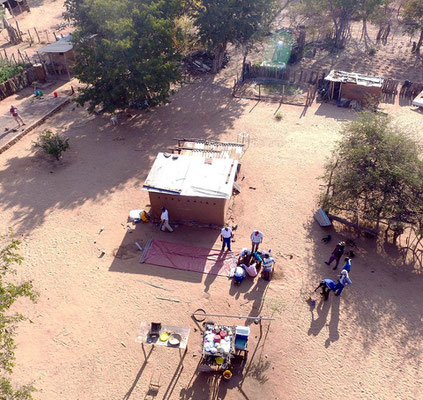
x: 343, y: 281
x: 164, y: 224
x: 225, y: 237
x: 256, y: 239
x: 336, y: 254
x: 327, y: 286
x: 15, y: 114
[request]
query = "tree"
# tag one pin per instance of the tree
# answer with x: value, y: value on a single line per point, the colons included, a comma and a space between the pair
x: 231, y: 21
x: 132, y: 60
x: 376, y: 174
x: 9, y: 294
x: 412, y: 18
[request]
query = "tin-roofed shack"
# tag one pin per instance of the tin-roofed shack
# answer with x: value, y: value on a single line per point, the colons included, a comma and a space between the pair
x: 352, y: 86
x: 192, y: 188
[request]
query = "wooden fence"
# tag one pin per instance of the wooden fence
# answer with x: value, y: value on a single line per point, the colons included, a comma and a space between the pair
x: 20, y: 81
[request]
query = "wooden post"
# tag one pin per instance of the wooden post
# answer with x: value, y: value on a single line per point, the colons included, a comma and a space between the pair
x: 38, y: 36
x: 55, y: 37
x: 5, y: 55
x: 259, y: 92
x: 30, y: 37
x: 26, y: 55
x: 19, y: 30
x: 20, y: 55
x: 66, y: 65
x: 10, y: 8
x: 14, y: 59
x: 48, y: 40
x: 283, y: 92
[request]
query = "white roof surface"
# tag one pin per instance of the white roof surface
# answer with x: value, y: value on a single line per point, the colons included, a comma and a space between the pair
x: 352, y: 77
x: 186, y: 175
x: 418, y: 101
x: 61, y: 46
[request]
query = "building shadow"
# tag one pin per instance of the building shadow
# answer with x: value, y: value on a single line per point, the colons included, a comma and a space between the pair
x: 109, y: 157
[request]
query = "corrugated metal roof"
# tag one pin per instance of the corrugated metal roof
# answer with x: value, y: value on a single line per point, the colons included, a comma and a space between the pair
x: 352, y: 77
x: 192, y: 176
x: 61, y: 46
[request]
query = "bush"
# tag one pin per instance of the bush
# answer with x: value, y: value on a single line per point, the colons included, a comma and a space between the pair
x: 9, y: 70
x: 51, y: 143
x: 278, y: 116
x: 372, y: 51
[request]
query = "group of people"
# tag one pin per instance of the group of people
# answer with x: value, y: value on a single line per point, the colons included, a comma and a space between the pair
x: 249, y: 261
x: 327, y: 285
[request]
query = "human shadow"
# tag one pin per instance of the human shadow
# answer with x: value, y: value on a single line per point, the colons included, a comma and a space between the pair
x: 383, y: 294
x: 102, y: 159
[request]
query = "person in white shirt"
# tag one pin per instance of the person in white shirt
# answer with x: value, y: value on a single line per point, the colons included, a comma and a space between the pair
x: 256, y: 239
x: 225, y: 237
x: 165, y: 221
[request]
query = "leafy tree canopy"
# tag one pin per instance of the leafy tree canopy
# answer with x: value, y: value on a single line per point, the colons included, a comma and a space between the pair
x: 9, y: 294
x: 376, y: 174
x: 231, y: 21
x: 412, y: 15
x: 132, y: 61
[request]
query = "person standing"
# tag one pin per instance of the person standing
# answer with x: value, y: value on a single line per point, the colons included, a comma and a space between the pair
x: 15, y: 114
x: 256, y: 239
x: 347, y: 265
x: 336, y: 254
x: 164, y: 224
x: 343, y: 281
x: 268, y: 262
x: 225, y: 237
x: 327, y: 285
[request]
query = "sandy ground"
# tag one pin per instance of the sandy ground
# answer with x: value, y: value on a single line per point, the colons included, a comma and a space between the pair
x: 88, y: 306
x: 81, y: 342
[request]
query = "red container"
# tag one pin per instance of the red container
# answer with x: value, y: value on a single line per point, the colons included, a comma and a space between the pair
x: 223, y: 334
x: 55, y: 94
x: 217, y: 338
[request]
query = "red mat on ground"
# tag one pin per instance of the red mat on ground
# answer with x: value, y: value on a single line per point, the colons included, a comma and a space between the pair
x: 189, y: 258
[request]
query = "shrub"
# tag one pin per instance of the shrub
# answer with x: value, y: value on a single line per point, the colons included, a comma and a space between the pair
x: 9, y: 70
x: 278, y: 116
x: 51, y: 143
x: 372, y: 51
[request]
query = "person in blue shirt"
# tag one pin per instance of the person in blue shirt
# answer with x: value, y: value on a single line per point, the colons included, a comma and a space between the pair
x: 343, y: 281
x: 327, y: 285
x: 268, y: 262
x: 347, y: 265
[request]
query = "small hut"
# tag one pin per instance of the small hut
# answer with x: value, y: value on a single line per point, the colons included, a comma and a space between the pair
x: 60, y: 55
x: 364, y: 89
x: 193, y: 188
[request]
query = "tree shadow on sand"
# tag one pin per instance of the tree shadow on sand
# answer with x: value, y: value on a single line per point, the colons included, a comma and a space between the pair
x: 33, y: 187
x: 383, y: 301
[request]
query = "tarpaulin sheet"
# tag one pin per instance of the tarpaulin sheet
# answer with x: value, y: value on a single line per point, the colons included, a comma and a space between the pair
x: 189, y: 258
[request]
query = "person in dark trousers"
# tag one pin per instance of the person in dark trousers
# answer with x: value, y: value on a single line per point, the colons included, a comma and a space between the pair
x: 327, y: 285
x: 336, y: 254
x: 225, y: 237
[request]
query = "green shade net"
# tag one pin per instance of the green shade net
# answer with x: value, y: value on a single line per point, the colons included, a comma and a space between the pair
x: 278, y: 50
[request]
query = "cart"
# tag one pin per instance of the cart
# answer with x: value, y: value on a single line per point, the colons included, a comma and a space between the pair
x: 217, y: 354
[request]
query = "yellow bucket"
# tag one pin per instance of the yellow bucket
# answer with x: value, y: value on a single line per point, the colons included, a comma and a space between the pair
x: 227, y: 375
